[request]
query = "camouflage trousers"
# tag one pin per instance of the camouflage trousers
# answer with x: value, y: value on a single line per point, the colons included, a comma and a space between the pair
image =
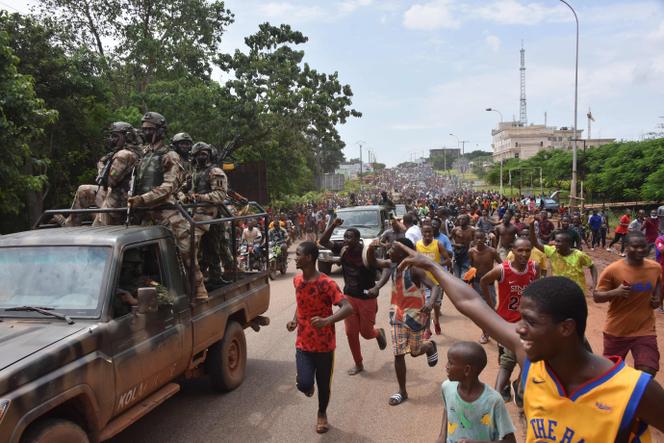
x: 86, y: 196
x: 180, y: 228
x: 115, y: 198
x: 215, y: 249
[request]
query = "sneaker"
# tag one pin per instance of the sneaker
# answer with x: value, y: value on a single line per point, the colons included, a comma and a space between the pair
x: 622, y: 254
x: 608, y: 249
x: 592, y: 249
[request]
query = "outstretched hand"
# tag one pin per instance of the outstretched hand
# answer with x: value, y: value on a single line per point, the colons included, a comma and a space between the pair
x: 414, y: 258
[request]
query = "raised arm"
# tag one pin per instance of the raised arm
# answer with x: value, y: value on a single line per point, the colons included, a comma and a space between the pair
x: 468, y: 302
x: 325, y: 238
x: 533, y: 237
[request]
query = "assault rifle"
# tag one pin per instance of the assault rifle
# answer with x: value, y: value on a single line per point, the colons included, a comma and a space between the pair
x: 224, y: 154
x: 102, y: 178
x: 130, y: 193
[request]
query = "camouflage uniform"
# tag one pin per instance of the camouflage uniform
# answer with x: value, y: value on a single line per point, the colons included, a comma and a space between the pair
x: 208, y: 184
x: 158, y: 177
x: 86, y: 197
x: 119, y: 178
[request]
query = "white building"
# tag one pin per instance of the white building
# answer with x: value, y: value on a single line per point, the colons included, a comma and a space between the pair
x: 352, y: 170
x: 511, y: 140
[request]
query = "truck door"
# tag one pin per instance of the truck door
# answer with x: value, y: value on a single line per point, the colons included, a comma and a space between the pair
x: 146, y: 347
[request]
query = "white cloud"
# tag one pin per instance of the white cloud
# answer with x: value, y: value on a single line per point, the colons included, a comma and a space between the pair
x: 513, y: 12
x: 289, y: 11
x: 493, y: 42
x: 429, y: 16
x: 349, y: 6
x: 658, y: 34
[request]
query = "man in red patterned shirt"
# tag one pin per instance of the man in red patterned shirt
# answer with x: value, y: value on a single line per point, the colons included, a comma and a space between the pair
x: 315, y: 293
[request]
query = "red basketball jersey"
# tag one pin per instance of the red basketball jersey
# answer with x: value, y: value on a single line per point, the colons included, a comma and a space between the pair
x: 510, y: 288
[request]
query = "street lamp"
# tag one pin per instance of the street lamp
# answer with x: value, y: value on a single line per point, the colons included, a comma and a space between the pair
x: 576, y: 95
x: 359, y: 142
x: 495, y: 110
x: 501, y: 158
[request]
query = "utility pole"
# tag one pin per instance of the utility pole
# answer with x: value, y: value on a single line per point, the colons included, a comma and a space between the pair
x: 360, y: 142
x: 573, y: 199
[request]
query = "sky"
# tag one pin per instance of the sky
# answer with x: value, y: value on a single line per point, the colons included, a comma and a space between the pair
x: 420, y: 70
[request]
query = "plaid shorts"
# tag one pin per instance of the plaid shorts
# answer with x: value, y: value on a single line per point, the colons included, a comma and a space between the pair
x: 404, y: 339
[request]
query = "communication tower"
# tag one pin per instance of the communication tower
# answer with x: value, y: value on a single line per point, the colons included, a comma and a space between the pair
x: 523, y: 118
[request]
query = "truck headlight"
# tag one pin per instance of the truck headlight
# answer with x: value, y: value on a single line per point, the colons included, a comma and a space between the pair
x: 4, y: 406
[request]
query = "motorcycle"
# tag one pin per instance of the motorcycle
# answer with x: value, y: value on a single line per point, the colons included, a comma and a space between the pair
x: 250, y: 257
x: 278, y: 261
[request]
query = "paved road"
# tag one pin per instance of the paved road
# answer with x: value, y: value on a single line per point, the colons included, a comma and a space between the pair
x: 267, y: 407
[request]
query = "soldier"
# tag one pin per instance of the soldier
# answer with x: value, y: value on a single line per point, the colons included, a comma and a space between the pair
x: 158, y: 177
x: 182, y: 143
x: 132, y: 277
x: 209, y: 184
x: 122, y: 135
x: 124, y: 158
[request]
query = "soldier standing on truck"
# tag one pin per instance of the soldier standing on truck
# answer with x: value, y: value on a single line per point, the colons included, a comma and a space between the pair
x: 209, y: 184
x: 114, y: 171
x: 158, y: 177
x: 182, y: 144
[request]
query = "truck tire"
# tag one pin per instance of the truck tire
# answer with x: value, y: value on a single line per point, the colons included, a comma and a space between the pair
x: 325, y: 267
x: 227, y: 359
x: 55, y: 430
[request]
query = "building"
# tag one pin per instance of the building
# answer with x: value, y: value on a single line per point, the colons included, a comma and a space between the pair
x: 352, y: 170
x: 451, y: 154
x: 512, y: 140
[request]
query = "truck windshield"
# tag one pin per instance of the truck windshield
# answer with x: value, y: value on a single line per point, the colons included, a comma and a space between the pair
x: 63, y: 278
x: 367, y: 222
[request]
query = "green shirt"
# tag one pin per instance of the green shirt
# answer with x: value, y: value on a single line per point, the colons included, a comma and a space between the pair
x: 570, y: 266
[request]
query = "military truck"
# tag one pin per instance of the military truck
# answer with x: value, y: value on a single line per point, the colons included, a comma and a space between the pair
x: 78, y: 361
x: 370, y: 220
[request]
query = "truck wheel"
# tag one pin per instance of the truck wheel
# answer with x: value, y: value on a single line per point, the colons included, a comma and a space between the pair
x: 55, y: 430
x: 325, y: 267
x: 227, y: 359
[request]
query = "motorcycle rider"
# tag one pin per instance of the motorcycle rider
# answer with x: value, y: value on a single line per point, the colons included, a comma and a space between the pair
x: 279, y: 235
x: 253, y: 237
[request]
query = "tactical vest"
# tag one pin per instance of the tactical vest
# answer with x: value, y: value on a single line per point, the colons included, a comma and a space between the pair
x: 150, y: 173
x: 200, y: 182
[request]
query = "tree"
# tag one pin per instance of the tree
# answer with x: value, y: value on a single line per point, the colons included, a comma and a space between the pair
x: 23, y: 117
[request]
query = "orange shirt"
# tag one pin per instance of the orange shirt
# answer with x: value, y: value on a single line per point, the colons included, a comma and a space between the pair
x: 632, y: 316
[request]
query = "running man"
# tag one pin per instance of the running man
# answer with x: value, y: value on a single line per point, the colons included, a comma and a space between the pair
x: 570, y: 394
x: 315, y: 293
x: 620, y: 233
x: 513, y: 278
x: 632, y: 287
x: 462, y: 237
x: 482, y: 258
x: 409, y: 314
x: 506, y: 232
x: 359, y: 282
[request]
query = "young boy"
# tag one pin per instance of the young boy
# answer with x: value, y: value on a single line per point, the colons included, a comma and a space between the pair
x: 472, y: 411
x: 435, y: 250
x: 570, y: 394
x: 482, y: 258
x: 315, y: 294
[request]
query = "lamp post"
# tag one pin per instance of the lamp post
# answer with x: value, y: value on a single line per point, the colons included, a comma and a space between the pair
x: 360, y: 142
x: 501, y: 158
x: 576, y: 95
x: 495, y: 110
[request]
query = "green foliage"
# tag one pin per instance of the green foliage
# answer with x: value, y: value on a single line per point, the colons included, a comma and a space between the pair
x: 23, y: 117
x: 614, y: 172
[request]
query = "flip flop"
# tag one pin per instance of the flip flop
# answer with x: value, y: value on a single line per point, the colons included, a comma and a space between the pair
x: 355, y: 370
x: 432, y: 357
x: 322, y: 426
x: 397, y: 399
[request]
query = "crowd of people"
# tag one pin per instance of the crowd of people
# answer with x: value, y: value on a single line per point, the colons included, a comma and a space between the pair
x: 524, y: 277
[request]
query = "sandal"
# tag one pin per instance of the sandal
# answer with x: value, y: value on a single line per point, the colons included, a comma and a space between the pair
x: 322, y: 426
x: 397, y: 399
x: 484, y: 339
x: 432, y: 356
x: 355, y: 370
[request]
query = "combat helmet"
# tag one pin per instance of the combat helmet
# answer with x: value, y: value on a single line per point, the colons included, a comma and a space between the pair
x: 202, y: 146
x: 123, y: 127
x: 181, y: 136
x: 155, y: 118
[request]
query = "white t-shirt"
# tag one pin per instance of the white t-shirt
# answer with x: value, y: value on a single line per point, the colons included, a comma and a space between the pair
x: 251, y: 236
x: 414, y: 234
